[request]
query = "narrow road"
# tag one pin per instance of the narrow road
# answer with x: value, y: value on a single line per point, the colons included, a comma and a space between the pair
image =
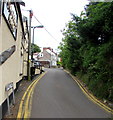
x: 58, y: 96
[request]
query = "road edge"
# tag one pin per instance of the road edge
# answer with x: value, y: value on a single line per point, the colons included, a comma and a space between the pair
x: 26, y: 101
x: 89, y: 95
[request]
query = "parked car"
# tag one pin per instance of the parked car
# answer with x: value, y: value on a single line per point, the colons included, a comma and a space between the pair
x: 36, y: 64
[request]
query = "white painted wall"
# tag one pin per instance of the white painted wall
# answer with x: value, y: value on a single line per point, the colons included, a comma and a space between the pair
x: 14, y: 65
x: 0, y: 66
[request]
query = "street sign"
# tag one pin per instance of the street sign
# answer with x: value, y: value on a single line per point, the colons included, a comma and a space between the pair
x: 9, y: 87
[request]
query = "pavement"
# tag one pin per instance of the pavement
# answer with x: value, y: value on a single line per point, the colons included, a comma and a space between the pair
x: 18, y: 96
x: 24, y: 84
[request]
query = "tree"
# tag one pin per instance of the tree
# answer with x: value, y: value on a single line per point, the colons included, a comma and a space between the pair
x: 87, y: 48
x: 98, y: 26
x: 35, y: 48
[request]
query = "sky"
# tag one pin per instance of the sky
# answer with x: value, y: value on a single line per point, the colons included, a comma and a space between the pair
x: 53, y: 15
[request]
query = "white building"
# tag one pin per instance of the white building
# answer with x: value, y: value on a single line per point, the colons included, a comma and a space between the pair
x: 48, y: 57
x: 13, y: 48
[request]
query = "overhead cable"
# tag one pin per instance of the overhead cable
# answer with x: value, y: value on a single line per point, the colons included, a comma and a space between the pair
x: 46, y: 30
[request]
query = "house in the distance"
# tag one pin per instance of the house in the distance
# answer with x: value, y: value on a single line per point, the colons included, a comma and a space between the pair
x: 48, y: 58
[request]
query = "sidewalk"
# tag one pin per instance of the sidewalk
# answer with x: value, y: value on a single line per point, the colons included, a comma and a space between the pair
x: 18, y: 96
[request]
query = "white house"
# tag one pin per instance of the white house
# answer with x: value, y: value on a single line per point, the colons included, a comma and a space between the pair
x: 13, y: 48
x: 47, y: 57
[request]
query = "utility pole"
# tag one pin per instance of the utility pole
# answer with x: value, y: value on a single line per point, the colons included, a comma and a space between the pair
x: 29, y: 46
x: 40, y: 26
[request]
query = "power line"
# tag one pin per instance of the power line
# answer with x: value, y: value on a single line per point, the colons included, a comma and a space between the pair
x: 37, y: 19
x: 47, y: 30
x: 44, y: 27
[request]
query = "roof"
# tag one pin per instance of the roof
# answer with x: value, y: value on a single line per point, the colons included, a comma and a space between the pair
x: 19, y: 1
x: 51, y: 52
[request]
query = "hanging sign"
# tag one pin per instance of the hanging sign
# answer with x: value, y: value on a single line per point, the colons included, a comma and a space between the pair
x: 10, y: 14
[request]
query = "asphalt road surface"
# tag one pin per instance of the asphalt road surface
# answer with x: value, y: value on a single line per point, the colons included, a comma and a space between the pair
x: 58, y: 96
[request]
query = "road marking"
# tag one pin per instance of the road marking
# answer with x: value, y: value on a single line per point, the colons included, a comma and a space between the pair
x: 22, y: 101
x: 26, y: 110
x: 90, y: 96
x: 30, y: 103
x: 26, y: 101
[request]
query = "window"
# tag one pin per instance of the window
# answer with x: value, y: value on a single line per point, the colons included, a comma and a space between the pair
x: 6, y: 54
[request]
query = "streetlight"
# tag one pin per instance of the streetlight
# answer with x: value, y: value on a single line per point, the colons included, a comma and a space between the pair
x: 41, y: 26
x: 33, y: 68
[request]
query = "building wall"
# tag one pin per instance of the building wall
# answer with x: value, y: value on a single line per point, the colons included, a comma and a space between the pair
x: 13, y: 69
x: 25, y: 51
x: 24, y: 45
x: 12, y: 66
x: 0, y: 67
x: 48, y: 55
x: 25, y: 57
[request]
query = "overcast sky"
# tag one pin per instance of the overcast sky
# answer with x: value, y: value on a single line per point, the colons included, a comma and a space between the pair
x: 53, y: 14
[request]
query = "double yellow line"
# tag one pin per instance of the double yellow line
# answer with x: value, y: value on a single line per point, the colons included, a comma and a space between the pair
x: 90, y: 96
x: 26, y: 101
